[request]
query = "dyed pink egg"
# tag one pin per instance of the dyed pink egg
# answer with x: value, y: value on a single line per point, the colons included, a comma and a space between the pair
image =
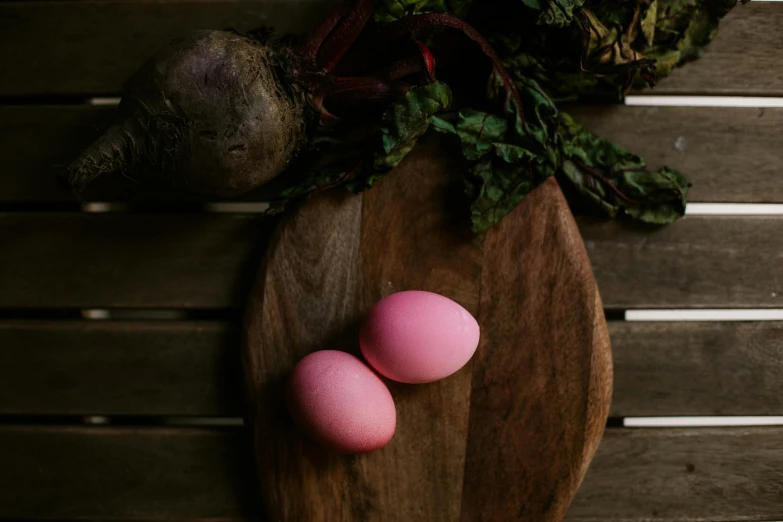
x: 418, y: 337
x: 341, y: 403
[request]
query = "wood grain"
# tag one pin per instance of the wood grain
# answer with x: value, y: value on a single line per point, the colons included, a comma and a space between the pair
x: 119, y: 368
x: 154, y: 474
x: 96, y: 46
x: 709, y: 368
x: 414, y: 236
x: 128, y: 260
x: 710, y: 474
x: 98, y: 473
x: 304, y: 299
x: 729, y: 154
x: 100, y: 44
x: 740, y: 61
x: 542, y: 377
x: 702, y: 262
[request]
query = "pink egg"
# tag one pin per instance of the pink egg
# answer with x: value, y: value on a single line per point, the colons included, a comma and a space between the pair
x: 341, y: 403
x: 418, y: 337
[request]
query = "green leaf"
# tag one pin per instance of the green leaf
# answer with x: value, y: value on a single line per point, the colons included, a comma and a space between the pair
x: 480, y: 130
x: 614, y: 182
x: 509, y: 154
x: 407, y: 119
x: 403, y: 123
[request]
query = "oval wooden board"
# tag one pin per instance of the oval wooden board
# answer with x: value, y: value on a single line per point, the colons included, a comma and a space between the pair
x: 510, y: 436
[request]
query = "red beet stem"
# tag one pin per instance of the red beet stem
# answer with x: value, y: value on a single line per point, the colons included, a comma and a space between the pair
x: 354, y: 91
x: 400, y: 68
x: 429, y: 60
x: 309, y: 49
x: 345, y: 34
x: 410, y: 24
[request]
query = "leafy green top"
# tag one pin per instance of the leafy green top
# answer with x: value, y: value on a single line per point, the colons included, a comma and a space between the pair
x: 570, y: 49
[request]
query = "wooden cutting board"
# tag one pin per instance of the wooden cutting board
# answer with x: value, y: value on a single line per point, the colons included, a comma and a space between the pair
x: 510, y: 436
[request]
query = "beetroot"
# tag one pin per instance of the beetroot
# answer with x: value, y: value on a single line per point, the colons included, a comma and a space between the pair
x: 214, y: 107
x: 225, y: 113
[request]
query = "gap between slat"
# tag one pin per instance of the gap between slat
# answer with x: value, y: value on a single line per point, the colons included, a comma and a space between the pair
x: 700, y: 422
x: 120, y: 420
x: 638, y: 100
x: 734, y: 209
x: 654, y: 100
x: 258, y: 207
x: 758, y: 314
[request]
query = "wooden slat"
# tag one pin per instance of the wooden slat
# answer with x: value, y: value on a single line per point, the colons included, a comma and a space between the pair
x: 99, y: 473
x: 683, y: 475
x: 729, y: 154
x: 702, y: 262
x: 119, y: 368
x: 206, y: 261
x: 100, y: 44
x: 94, y: 47
x: 128, y: 260
x: 685, y: 368
x: 742, y: 60
x: 189, y: 368
x: 679, y: 475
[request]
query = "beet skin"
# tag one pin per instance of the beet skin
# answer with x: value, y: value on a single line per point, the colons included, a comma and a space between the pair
x: 215, y: 110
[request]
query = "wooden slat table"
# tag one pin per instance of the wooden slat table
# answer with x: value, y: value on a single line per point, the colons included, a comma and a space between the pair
x: 173, y: 284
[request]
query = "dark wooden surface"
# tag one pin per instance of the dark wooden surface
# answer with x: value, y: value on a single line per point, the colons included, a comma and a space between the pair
x: 58, y: 53
x: 708, y: 474
x: 78, y: 367
x: 190, y: 367
x: 53, y: 260
x: 152, y: 474
x: 127, y: 473
x: 699, y: 261
x: 730, y: 154
x: 207, y: 261
x: 703, y: 368
x: 104, y: 42
x: 542, y: 377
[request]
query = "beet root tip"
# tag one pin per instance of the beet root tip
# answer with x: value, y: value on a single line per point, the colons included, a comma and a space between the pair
x: 110, y: 153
